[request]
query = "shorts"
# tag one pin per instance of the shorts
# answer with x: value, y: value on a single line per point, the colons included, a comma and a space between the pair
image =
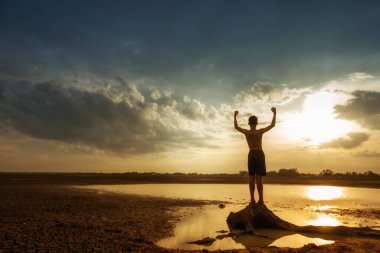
x: 256, y: 163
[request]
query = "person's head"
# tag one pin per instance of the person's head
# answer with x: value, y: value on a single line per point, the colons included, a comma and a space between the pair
x: 252, y: 121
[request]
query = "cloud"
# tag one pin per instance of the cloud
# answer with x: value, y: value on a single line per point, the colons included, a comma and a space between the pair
x: 261, y: 89
x: 262, y: 95
x: 367, y: 153
x: 191, y: 108
x: 359, y: 76
x: 363, y: 108
x: 156, y: 94
x: 114, y: 118
x: 352, y: 140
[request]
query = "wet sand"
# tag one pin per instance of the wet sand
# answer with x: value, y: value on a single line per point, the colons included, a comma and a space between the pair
x: 48, y: 216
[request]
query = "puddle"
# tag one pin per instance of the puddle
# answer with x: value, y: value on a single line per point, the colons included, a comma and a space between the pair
x: 198, y: 224
x: 297, y: 241
x: 301, y: 205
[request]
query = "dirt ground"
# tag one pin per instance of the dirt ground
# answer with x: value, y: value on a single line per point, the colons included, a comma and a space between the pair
x: 52, y: 217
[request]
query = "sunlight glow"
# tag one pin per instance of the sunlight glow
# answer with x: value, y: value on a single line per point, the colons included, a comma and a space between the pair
x: 319, y: 208
x: 317, y: 122
x: 323, y: 192
x: 324, y: 220
x: 297, y: 241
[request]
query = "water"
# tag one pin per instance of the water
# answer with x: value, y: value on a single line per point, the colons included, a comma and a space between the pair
x: 301, y: 205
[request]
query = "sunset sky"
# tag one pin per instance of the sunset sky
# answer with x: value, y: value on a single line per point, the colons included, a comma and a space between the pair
x: 117, y: 86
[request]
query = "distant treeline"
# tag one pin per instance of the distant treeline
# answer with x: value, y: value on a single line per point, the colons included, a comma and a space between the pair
x: 292, y: 172
x: 323, y: 174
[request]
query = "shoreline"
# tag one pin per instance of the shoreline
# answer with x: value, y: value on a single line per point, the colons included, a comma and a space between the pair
x: 125, y: 178
x: 38, y: 215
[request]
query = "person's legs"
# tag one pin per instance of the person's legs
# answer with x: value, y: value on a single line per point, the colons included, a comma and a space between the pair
x: 252, y: 188
x: 259, y: 182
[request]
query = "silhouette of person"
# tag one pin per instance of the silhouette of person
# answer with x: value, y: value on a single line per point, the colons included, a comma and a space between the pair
x: 256, y: 157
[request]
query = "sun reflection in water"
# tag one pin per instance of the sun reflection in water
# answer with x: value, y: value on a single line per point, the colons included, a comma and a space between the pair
x: 324, y: 220
x: 323, y: 192
x: 297, y: 241
x: 322, y: 208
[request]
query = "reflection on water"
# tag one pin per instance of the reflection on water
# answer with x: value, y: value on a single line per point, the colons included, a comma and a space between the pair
x: 297, y: 241
x: 321, y: 208
x: 323, y: 192
x: 282, y: 238
x: 200, y: 224
x: 301, y: 205
x: 209, y: 221
x: 324, y: 220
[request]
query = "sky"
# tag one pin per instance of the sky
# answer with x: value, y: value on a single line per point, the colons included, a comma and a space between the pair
x: 119, y: 86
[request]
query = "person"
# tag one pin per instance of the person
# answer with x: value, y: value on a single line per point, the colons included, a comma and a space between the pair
x: 256, y: 157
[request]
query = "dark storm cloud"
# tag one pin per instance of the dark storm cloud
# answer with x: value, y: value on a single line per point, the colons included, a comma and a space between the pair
x: 364, y: 108
x: 192, y: 45
x: 352, y: 140
x: 59, y: 112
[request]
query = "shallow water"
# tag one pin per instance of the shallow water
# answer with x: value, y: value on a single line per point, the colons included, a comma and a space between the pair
x: 299, y: 204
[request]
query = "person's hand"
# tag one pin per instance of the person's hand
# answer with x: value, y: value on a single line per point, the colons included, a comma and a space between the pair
x: 236, y: 113
x: 273, y: 109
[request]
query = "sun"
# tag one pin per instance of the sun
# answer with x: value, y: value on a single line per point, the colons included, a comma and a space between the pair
x: 317, y: 122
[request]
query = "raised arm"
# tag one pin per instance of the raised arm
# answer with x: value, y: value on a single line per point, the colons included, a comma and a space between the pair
x: 241, y: 130
x: 273, y: 123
